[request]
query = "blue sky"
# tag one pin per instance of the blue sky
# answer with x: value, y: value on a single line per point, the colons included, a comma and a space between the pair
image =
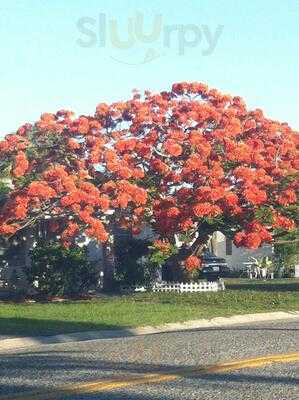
x: 46, y: 64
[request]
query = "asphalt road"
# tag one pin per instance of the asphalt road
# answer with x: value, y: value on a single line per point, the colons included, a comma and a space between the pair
x: 50, y: 366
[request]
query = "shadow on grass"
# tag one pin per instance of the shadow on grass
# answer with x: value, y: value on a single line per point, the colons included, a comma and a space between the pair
x: 265, y: 287
x: 21, y: 327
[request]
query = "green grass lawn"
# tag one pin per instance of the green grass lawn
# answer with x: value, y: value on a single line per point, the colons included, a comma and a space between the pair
x: 112, y: 312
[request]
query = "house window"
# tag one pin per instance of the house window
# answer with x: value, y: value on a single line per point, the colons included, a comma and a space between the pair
x: 228, y: 246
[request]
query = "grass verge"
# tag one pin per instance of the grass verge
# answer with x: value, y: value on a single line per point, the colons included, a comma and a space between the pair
x: 113, y: 312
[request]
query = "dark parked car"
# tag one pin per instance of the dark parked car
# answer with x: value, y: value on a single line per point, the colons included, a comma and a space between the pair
x: 214, y: 267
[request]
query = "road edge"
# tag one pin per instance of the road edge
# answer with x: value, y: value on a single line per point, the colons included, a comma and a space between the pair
x: 26, y: 342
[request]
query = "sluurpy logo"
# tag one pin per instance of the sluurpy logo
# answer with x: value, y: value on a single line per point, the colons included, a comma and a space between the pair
x: 136, y: 44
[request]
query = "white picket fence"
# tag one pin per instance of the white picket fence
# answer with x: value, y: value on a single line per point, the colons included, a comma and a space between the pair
x: 191, y: 287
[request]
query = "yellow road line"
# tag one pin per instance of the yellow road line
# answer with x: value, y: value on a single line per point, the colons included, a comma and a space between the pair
x: 142, y: 379
x: 91, y: 387
x: 252, y: 363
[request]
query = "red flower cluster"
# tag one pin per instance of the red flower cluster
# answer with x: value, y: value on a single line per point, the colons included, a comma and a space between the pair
x: 21, y: 164
x: 287, y: 197
x: 21, y: 207
x: 71, y: 230
x: 253, y: 236
x: 192, y: 263
x: 97, y: 230
x: 162, y: 245
x: 282, y: 222
x: 173, y: 148
x: 255, y: 196
x: 206, y: 210
x: 40, y: 190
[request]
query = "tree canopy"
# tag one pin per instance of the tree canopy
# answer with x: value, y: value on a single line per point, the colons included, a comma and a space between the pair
x: 187, y: 162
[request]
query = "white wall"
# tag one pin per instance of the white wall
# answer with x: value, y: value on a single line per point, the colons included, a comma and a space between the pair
x: 239, y: 254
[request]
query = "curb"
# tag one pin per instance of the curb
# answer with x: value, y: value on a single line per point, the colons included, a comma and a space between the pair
x: 25, y: 342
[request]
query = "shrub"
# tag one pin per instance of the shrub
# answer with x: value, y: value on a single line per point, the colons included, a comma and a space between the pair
x: 287, y: 254
x: 59, y: 271
x: 133, y: 266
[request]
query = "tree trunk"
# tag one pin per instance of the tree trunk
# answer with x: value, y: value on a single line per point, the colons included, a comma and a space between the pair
x: 173, y: 268
x: 109, y: 266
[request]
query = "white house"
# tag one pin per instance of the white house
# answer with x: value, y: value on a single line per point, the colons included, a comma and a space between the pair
x: 236, y: 257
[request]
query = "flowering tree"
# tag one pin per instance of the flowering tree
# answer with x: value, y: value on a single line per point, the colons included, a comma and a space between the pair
x: 187, y: 162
